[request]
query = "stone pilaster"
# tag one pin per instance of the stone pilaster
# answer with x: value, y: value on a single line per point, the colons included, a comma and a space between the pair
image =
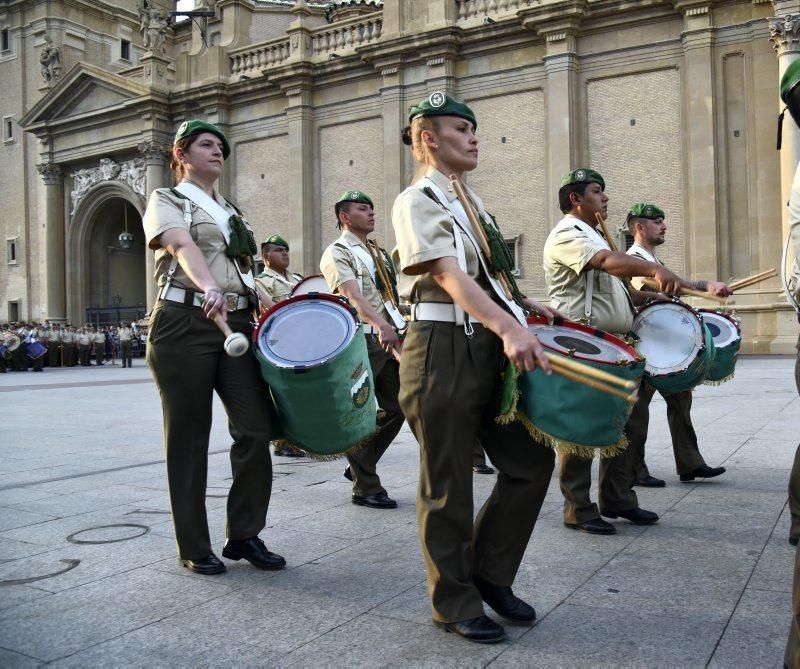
x: 785, y: 38
x: 394, y: 151
x: 51, y: 206
x: 701, y: 149
x: 156, y: 155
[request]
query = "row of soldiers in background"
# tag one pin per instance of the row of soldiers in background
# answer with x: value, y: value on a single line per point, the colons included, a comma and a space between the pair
x: 64, y: 345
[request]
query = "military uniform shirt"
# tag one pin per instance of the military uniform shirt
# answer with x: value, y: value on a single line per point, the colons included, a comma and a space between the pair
x: 277, y: 285
x: 424, y: 232
x: 339, y: 265
x: 125, y: 334
x: 83, y: 339
x: 643, y: 254
x: 567, y: 252
x: 794, y: 232
x: 164, y: 212
x: 68, y: 337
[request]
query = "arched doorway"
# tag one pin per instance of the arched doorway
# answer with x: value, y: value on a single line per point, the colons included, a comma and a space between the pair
x: 106, y: 278
x: 116, y: 269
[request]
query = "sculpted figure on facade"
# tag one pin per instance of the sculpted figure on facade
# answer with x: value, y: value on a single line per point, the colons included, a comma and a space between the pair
x: 50, y: 60
x: 132, y: 172
x: 153, y: 26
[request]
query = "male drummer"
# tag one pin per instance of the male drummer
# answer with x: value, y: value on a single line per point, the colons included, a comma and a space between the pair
x: 277, y: 282
x: 582, y: 274
x: 276, y: 279
x: 349, y: 269
x: 646, y: 224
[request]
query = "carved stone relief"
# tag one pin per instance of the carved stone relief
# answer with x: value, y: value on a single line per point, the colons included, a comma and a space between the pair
x: 131, y: 172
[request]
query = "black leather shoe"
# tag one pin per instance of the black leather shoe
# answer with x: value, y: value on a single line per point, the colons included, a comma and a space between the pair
x: 348, y: 473
x: 207, y: 566
x: 479, y: 630
x: 288, y: 452
x: 379, y: 500
x: 254, y: 551
x: 704, y: 472
x: 793, y: 540
x: 593, y: 526
x: 504, y: 602
x: 483, y: 469
x: 650, y: 482
x: 637, y: 516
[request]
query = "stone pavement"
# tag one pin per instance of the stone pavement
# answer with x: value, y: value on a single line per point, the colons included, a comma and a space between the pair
x: 89, y: 577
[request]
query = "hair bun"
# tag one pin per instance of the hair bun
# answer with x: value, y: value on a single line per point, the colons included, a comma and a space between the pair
x: 406, y: 136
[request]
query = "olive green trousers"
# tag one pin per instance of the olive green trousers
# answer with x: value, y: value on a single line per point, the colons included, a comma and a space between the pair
x: 188, y: 363
x: 448, y: 392
x: 792, y: 655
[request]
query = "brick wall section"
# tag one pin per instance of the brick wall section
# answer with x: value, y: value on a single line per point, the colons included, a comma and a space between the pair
x: 362, y: 143
x: 641, y: 162
x: 510, y: 177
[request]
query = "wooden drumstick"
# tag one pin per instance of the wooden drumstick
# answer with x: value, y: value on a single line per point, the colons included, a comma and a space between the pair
x: 650, y: 283
x: 751, y: 280
x: 236, y: 343
x: 589, y: 371
x: 593, y: 383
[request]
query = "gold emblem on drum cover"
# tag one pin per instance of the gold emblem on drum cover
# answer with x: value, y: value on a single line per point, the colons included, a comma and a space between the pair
x: 360, y: 390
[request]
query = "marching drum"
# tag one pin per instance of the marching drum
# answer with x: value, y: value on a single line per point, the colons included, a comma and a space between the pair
x: 568, y: 415
x: 311, y: 284
x: 679, y: 348
x: 727, y: 334
x: 313, y: 354
x: 34, y: 349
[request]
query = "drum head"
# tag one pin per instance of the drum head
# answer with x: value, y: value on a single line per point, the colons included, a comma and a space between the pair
x: 305, y: 332
x: 670, y: 336
x: 311, y: 284
x: 582, y: 345
x: 723, y: 329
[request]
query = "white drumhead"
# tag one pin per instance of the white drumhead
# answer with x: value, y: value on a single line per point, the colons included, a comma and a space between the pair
x: 584, y: 345
x: 306, y: 333
x: 311, y: 284
x: 722, y: 329
x: 670, y: 337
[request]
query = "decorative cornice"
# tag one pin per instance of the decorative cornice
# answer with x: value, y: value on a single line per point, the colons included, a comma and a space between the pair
x: 51, y: 173
x: 389, y: 71
x: 784, y: 33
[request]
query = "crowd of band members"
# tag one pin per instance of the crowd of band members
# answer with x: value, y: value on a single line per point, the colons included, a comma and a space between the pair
x: 69, y: 346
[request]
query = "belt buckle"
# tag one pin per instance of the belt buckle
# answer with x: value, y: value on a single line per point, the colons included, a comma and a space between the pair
x: 233, y: 301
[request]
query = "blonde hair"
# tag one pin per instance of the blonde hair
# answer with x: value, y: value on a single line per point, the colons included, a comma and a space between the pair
x: 421, y: 152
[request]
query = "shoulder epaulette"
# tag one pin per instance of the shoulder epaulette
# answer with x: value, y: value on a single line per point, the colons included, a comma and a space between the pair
x: 177, y: 193
x: 236, y: 209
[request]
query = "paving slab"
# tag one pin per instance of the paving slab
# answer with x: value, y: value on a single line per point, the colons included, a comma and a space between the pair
x: 710, y: 583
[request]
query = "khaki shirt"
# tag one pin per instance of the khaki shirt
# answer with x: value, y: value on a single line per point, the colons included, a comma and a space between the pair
x: 277, y: 285
x: 84, y: 339
x: 99, y: 338
x: 424, y: 232
x: 567, y: 252
x: 339, y: 265
x: 52, y: 336
x: 68, y: 337
x: 794, y: 234
x: 164, y: 212
x: 642, y: 253
x: 125, y: 334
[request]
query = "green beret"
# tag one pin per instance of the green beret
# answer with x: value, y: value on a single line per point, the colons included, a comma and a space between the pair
x: 276, y: 240
x: 196, y: 126
x: 790, y: 79
x: 646, y: 210
x: 583, y: 176
x: 354, y: 196
x: 439, y: 104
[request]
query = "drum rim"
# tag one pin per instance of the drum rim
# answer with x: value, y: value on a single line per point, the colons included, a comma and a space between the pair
x: 326, y: 297
x: 605, y: 335
x: 699, y: 347
x: 292, y: 292
x: 718, y: 312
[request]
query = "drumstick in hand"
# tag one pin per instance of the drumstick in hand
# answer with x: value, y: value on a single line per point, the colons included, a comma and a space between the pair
x: 236, y: 343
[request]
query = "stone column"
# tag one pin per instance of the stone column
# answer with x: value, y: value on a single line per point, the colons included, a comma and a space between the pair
x: 698, y: 49
x: 300, y: 175
x: 394, y: 151
x: 785, y: 37
x: 561, y: 110
x: 51, y: 208
x: 155, y: 156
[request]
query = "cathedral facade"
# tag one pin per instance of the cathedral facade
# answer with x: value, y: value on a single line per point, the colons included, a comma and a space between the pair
x: 673, y: 101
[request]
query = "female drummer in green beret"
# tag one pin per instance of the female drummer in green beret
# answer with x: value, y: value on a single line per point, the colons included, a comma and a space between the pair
x: 458, y: 343
x: 203, y: 255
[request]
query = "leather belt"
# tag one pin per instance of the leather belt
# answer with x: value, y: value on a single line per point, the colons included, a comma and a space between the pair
x: 195, y: 299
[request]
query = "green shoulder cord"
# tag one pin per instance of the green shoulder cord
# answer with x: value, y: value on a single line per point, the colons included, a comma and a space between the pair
x: 501, y: 261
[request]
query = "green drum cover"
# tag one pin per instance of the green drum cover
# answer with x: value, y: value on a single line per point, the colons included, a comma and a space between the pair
x: 327, y: 409
x: 724, y: 363
x: 692, y: 375
x: 574, y: 416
